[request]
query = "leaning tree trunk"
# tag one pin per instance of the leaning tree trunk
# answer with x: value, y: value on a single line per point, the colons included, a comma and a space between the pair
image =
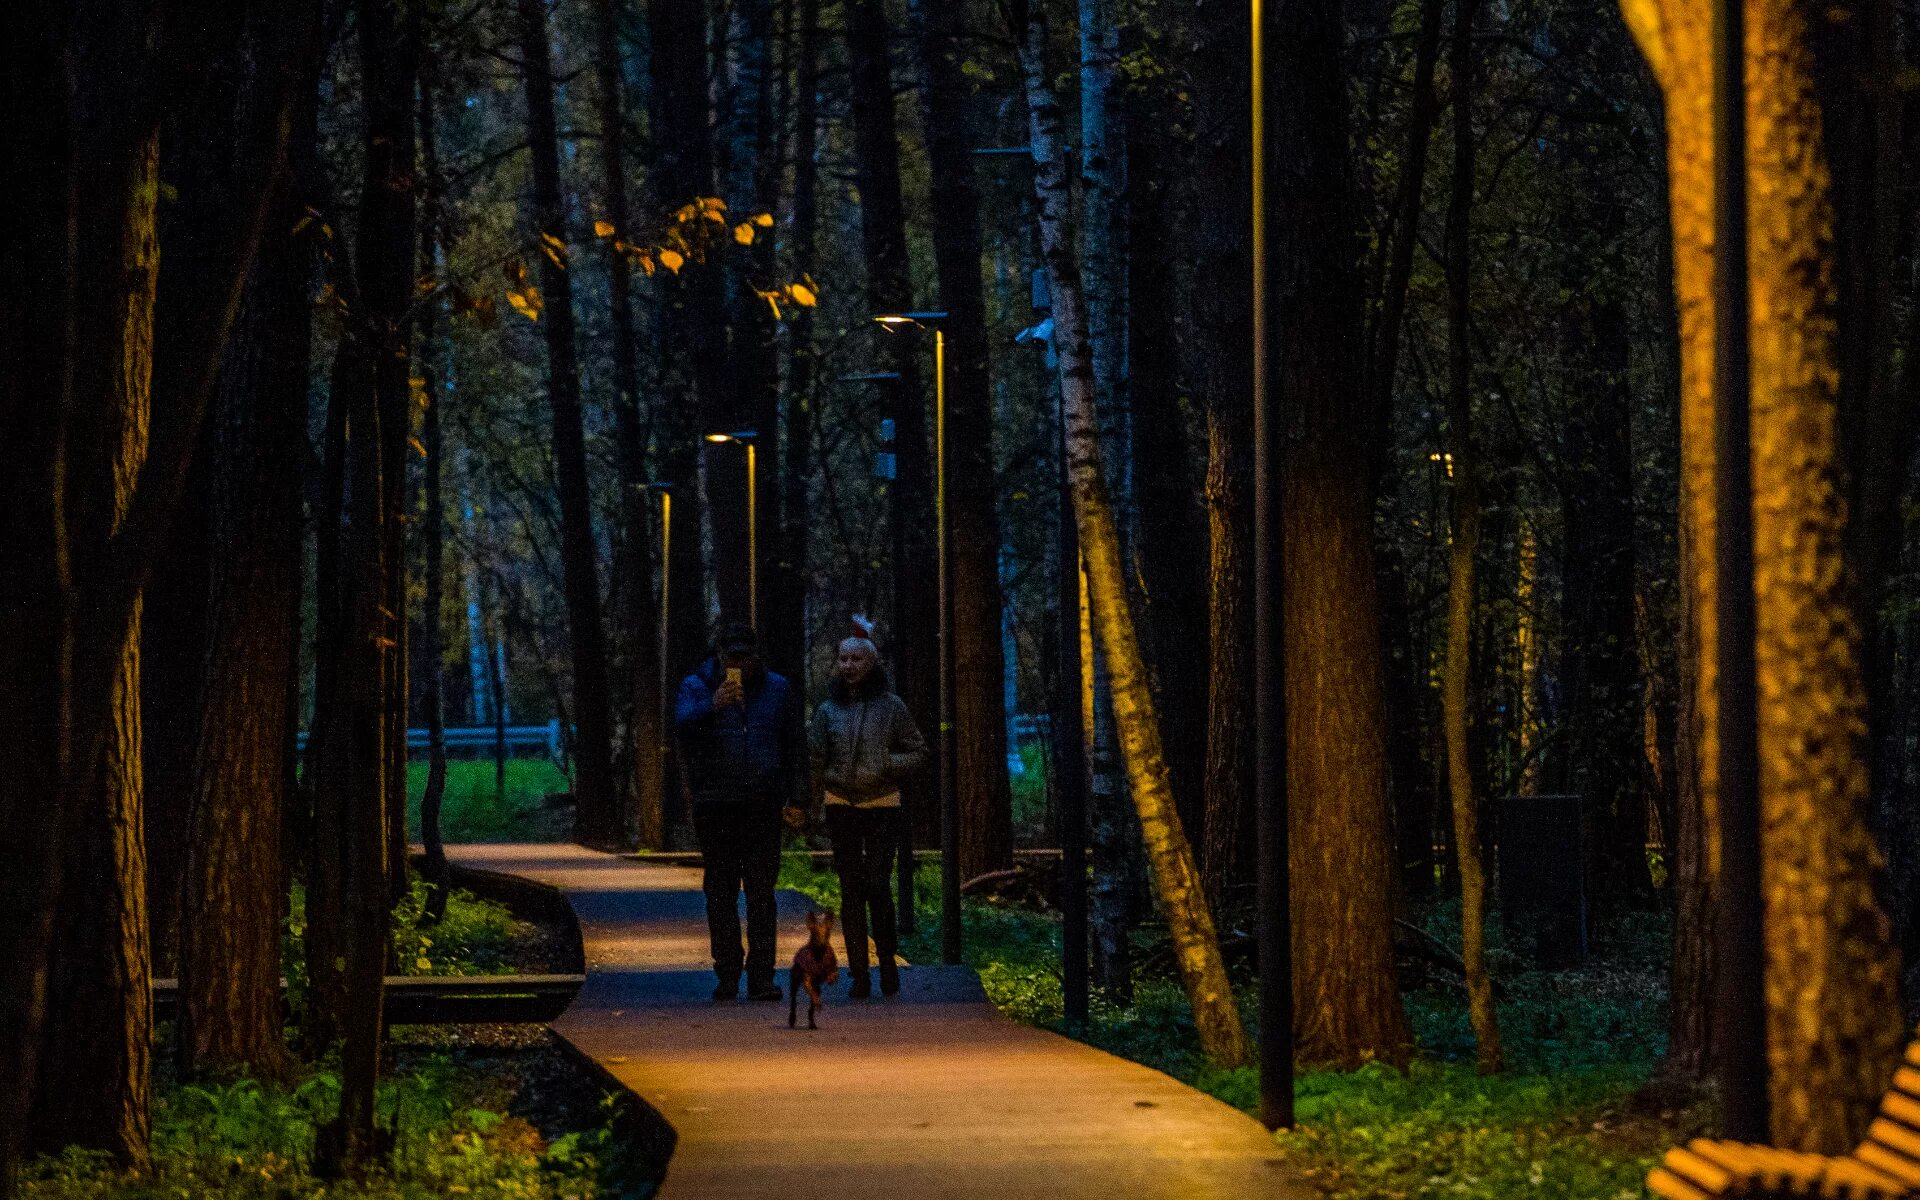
x: 639, y: 611
x: 1833, y: 1015
x: 1346, y: 1003
x: 597, y: 820
x: 979, y: 664
x: 1177, y: 881
x: 1463, y: 547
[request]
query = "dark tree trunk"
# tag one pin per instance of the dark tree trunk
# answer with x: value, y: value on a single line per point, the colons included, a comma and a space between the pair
x: 433, y: 369
x: 1171, y: 546
x: 693, y: 342
x: 597, y: 820
x: 99, y: 417
x: 751, y: 181
x: 173, y: 650
x: 1216, y: 363
x: 355, y: 873
x: 789, y: 606
x: 979, y: 666
x: 633, y: 572
x: 1346, y: 1004
x: 229, y: 1016
x: 883, y: 236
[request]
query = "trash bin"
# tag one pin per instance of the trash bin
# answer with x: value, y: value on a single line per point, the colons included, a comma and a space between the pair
x: 1541, y: 857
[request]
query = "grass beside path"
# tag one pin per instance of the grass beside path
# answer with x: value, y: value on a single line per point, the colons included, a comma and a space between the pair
x: 1567, y: 1120
x: 473, y: 810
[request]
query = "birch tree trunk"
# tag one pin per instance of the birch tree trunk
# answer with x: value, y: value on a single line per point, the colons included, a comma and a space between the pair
x: 1833, y: 1015
x: 1176, y: 879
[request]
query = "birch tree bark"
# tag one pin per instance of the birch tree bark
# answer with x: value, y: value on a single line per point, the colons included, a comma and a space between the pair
x: 1176, y: 878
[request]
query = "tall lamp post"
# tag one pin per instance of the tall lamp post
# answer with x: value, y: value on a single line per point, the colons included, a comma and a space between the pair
x: 1274, y: 925
x: 747, y: 437
x: 904, y: 872
x: 949, y: 792
x: 1741, y: 1007
x: 665, y: 492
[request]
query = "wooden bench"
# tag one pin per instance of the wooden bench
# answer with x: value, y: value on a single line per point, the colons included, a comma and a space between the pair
x: 444, y: 999
x: 1884, y: 1167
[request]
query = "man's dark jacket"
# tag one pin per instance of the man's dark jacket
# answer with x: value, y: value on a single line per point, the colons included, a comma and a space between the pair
x: 744, y: 753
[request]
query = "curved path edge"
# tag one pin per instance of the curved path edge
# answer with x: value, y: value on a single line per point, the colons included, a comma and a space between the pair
x: 932, y: 1094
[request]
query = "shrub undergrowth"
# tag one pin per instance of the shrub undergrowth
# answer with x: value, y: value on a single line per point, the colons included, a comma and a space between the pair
x: 250, y: 1141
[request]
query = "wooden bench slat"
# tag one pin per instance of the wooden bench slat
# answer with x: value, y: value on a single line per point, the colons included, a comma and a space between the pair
x: 1895, y: 1135
x: 1890, y: 1161
x: 1664, y: 1183
x: 1902, y: 1108
x: 1856, y: 1180
x: 1699, y: 1170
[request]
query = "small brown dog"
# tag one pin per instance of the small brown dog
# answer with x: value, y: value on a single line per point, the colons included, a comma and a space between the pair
x: 814, y: 967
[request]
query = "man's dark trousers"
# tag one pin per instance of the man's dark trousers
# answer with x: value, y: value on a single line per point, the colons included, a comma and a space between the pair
x: 740, y: 847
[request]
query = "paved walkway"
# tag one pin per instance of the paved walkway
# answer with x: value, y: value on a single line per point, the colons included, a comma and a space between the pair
x: 928, y: 1095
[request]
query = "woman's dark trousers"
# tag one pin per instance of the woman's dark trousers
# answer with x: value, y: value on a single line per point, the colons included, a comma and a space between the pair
x: 864, y: 842
x: 740, y: 848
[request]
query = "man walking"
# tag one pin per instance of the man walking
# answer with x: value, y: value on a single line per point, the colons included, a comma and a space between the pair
x: 737, y: 728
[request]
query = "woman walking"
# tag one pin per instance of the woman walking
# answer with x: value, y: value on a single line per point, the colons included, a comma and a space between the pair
x: 864, y: 745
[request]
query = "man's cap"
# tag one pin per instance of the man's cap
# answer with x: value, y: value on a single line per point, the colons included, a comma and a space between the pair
x: 736, y: 636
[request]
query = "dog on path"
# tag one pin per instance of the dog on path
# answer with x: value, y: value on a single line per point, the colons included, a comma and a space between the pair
x: 815, y: 966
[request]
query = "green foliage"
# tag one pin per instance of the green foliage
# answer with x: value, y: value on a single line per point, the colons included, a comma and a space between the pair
x: 473, y: 811
x: 244, y: 1139
x: 474, y: 937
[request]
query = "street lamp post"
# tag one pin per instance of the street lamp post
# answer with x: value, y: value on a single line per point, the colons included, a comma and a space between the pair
x: 949, y: 789
x: 1740, y: 954
x: 1274, y: 925
x: 747, y: 438
x: 662, y: 677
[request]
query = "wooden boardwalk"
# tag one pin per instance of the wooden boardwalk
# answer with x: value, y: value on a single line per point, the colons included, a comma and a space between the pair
x: 929, y: 1095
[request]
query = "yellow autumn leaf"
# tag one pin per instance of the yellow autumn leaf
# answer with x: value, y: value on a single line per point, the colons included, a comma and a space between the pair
x: 713, y: 204
x: 802, y: 295
x: 685, y: 213
x: 603, y: 229
x: 417, y: 447
x: 743, y: 233
x: 763, y: 220
x: 526, y: 303
x: 672, y: 260
x: 645, y: 261
x: 423, y: 963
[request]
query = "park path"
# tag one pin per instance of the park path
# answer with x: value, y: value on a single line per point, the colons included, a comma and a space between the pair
x: 929, y: 1095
